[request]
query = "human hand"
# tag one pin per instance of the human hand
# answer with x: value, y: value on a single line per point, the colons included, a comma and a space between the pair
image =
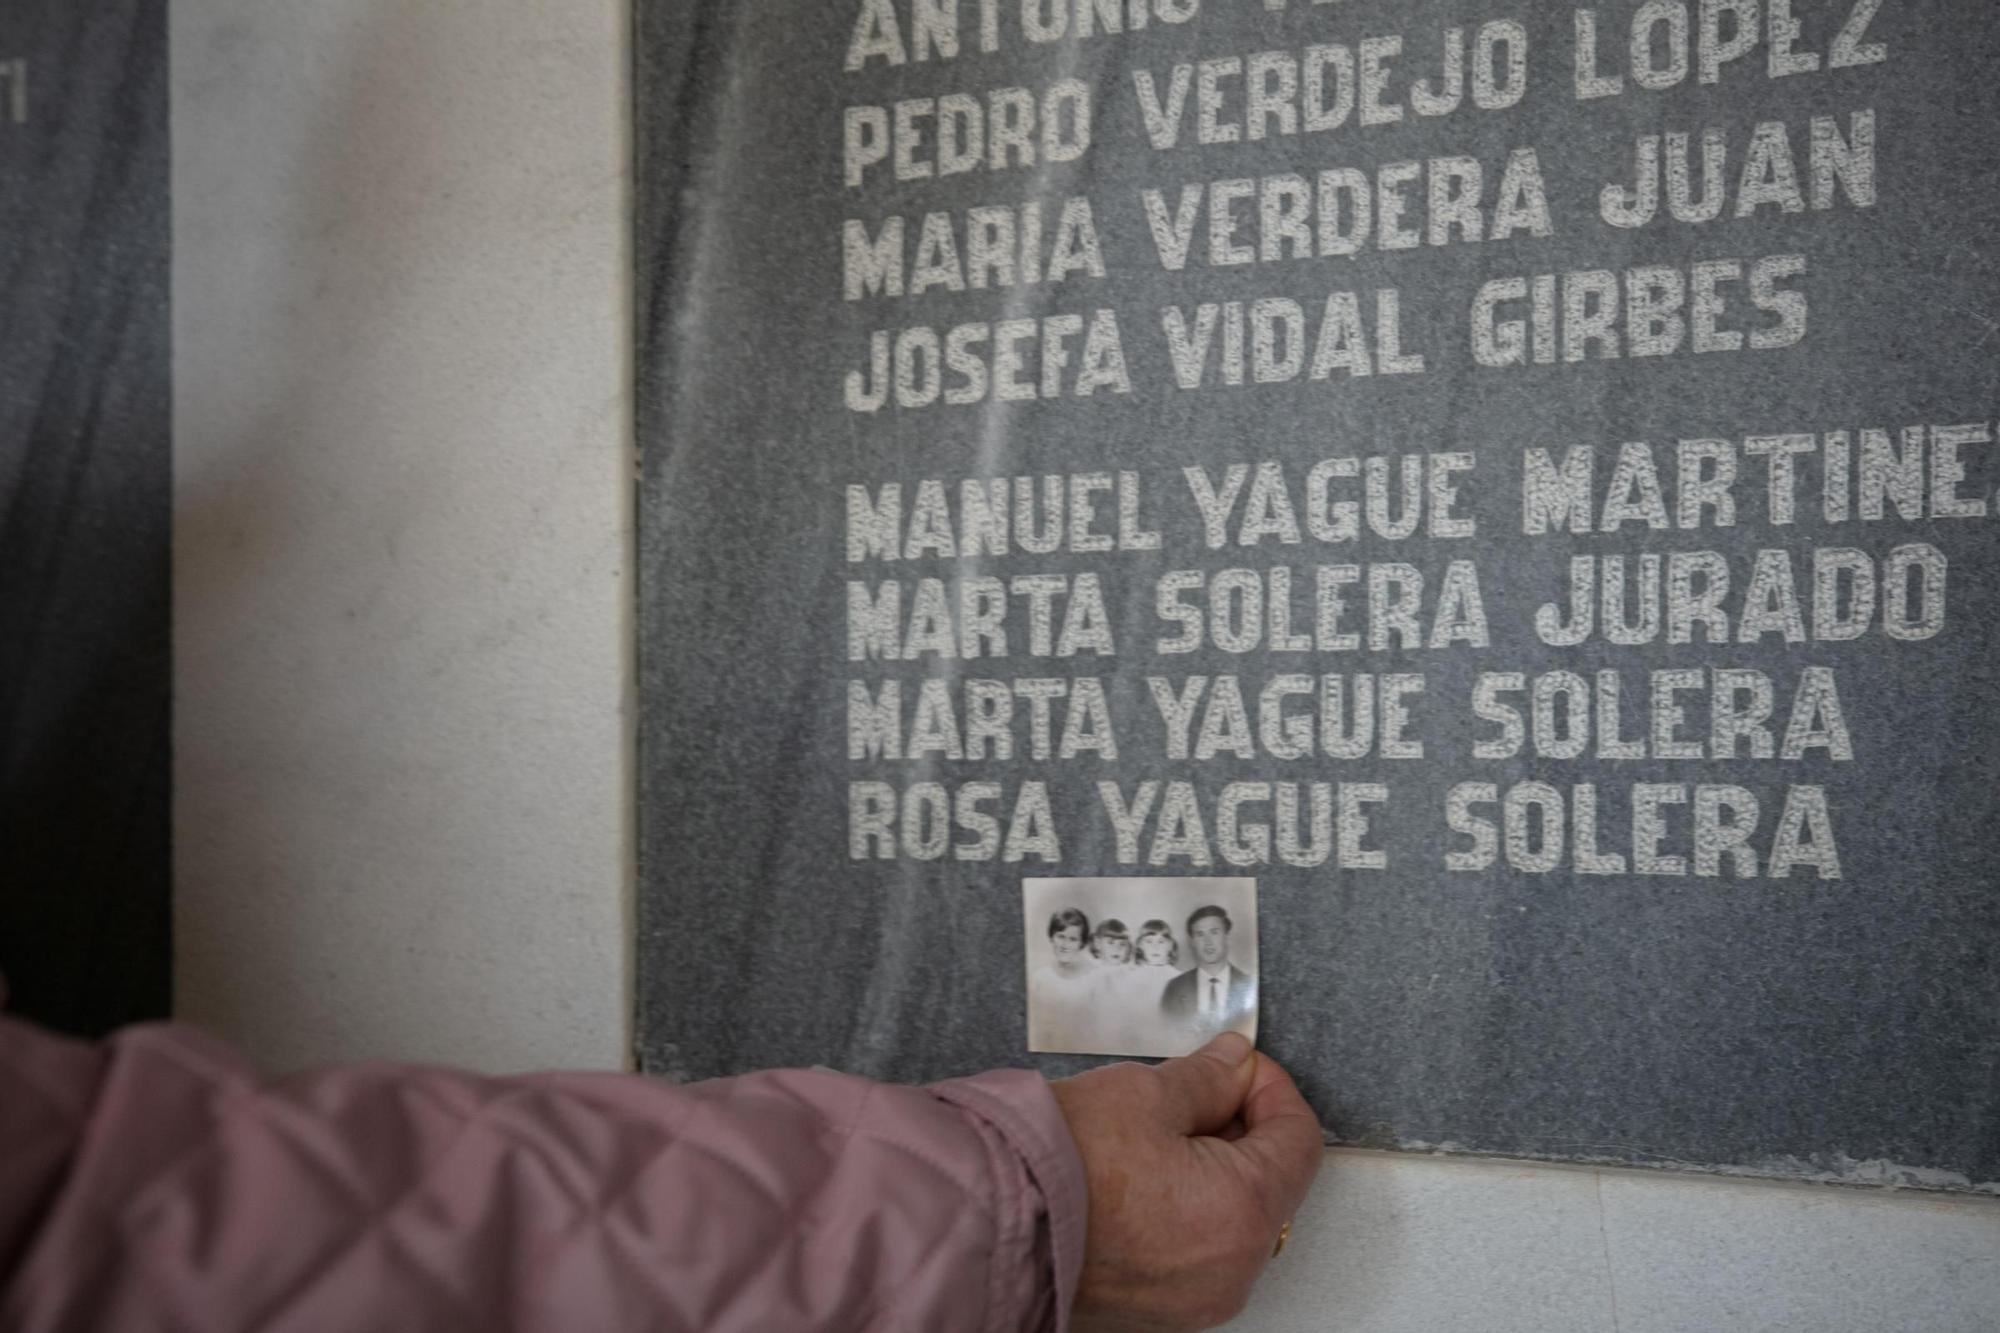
x: 1193, y: 1165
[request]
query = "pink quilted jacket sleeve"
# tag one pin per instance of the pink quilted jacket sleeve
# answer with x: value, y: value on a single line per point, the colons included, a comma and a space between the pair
x: 155, y: 1182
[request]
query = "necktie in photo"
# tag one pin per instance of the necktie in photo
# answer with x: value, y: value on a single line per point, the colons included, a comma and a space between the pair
x: 1214, y: 995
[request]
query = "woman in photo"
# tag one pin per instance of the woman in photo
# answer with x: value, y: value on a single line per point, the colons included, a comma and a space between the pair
x: 1070, y: 943
x: 1063, y: 983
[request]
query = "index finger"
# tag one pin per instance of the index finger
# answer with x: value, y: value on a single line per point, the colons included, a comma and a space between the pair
x: 1282, y: 1142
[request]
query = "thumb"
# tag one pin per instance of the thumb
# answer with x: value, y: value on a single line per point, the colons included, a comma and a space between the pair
x: 1282, y: 1140
x: 1205, y: 1090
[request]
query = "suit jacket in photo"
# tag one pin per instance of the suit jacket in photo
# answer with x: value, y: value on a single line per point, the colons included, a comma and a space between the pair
x: 1182, y: 1001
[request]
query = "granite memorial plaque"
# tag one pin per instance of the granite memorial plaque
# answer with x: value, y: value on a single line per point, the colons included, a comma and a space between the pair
x: 85, y: 474
x: 1517, y: 481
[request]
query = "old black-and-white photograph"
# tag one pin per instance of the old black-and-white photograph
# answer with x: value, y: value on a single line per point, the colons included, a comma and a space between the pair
x: 1125, y: 966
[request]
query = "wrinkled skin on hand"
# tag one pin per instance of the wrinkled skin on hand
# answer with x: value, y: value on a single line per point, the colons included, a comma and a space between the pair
x: 1193, y: 1165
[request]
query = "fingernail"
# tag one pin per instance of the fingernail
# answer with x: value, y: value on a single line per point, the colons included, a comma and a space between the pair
x: 1232, y: 1048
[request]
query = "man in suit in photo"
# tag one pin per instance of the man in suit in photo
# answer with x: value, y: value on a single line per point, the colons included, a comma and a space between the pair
x: 1215, y: 993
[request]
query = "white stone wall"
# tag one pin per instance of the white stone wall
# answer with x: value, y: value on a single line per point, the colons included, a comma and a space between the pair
x: 402, y: 532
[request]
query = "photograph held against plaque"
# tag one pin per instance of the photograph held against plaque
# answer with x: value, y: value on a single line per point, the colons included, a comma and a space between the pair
x: 1095, y: 986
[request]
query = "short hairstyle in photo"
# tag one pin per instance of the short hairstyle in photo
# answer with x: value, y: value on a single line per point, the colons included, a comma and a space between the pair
x: 1200, y: 913
x: 1067, y: 917
x: 1157, y: 928
x: 1111, y: 928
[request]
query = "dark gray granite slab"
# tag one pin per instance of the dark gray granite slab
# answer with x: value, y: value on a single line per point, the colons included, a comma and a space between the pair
x: 85, y: 473
x: 1803, y: 1025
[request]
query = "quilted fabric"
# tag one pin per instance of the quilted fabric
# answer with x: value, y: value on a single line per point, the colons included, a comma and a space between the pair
x: 157, y: 1183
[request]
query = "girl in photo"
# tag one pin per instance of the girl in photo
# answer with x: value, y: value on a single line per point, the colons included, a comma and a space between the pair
x: 1128, y: 993
x: 1156, y: 946
x: 1110, y: 943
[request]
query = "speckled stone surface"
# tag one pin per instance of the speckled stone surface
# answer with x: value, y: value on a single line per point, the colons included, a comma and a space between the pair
x: 85, y: 466
x: 1801, y: 1026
